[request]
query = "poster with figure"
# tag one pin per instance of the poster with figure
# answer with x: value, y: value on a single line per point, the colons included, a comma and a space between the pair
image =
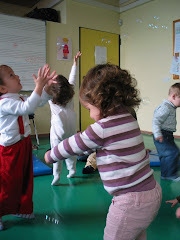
x: 64, y: 49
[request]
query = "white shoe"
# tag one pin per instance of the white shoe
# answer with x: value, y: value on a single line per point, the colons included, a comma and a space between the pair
x: 71, y: 174
x: 55, y: 181
x: 176, y: 179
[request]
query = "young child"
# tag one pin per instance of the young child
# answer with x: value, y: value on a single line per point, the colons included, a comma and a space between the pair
x: 164, y: 124
x: 174, y: 202
x: 123, y: 163
x: 16, y: 169
x: 63, y: 118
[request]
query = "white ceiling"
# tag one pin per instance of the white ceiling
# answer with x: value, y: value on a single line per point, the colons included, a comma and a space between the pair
x: 22, y: 7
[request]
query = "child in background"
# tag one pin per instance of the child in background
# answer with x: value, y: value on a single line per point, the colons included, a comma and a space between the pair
x: 63, y: 118
x: 16, y: 175
x: 164, y: 124
x: 123, y: 163
x: 91, y: 164
x: 174, y: 202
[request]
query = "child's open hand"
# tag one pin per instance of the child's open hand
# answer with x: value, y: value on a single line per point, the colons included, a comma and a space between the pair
x: 43, y: 78
x: 76, y: 57
x: 160, y: 139
x: 174, y: 202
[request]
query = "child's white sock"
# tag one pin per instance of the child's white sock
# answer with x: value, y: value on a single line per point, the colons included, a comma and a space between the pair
x: 71, y: 174
x: 28, y: 216
x: 1, y: 225
x: 55, y: 181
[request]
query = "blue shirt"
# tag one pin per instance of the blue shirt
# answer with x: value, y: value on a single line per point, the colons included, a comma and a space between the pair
x: 164, y: 118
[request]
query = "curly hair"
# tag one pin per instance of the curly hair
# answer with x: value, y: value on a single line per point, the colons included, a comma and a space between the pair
x: 110, y: 89
x: 62, y: 91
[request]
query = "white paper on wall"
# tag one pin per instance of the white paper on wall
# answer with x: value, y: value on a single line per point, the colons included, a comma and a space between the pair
x: 100, y: 55
x: 175, y: 66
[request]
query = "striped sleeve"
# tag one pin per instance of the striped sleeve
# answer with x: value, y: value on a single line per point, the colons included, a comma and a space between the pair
x: 85, y: 142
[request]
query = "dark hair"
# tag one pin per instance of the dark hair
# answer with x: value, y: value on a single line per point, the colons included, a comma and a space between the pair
x: 62, y: 91
x: 175, y: 88
x: 110, y: 89
x: 2, y: 67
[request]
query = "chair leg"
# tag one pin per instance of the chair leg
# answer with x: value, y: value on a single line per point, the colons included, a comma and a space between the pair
x: 37, y: 139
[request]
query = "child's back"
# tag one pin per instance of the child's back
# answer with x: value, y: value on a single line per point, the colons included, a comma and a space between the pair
x: 63, y: 118
x: 123, y: 163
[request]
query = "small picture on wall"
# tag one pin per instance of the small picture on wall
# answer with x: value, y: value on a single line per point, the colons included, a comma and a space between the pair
x: 64, y: 49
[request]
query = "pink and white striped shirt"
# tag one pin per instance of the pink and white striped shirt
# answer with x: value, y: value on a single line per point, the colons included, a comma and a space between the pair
x: 122, y: 160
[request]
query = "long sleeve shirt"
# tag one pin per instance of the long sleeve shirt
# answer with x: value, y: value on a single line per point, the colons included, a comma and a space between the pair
x: 122, y: 160
x: 63, y: 119
x: 164, y: 118
x: 12, y: 106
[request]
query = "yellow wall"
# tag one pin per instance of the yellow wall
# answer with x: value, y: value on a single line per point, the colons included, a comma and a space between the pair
x: 147, y: 53
x: 77, y: 15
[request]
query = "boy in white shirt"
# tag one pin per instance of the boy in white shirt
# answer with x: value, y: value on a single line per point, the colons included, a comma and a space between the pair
x: 16, y: 175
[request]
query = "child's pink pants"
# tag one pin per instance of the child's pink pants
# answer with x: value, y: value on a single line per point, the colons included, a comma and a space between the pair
x: 130, y: 214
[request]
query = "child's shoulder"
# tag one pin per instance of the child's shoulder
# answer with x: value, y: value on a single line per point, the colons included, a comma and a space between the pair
x: 9, y: 97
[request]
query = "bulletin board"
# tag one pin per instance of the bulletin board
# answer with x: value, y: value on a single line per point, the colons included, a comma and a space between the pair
x: 176, y: 41
x: 23, y: 46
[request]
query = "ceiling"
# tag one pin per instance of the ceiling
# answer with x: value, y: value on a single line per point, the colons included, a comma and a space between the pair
x: 22, y: 7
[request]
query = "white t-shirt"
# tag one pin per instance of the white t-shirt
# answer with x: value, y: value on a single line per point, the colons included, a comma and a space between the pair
x: 63, y: 119
x: 11, y: 107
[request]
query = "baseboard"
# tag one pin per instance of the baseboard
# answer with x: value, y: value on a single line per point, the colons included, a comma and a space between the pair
x: 46, y: 135
x: 150, y: 133
x: 146, y: 132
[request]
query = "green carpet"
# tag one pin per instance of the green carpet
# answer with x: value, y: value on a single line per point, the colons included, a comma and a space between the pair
x: 77, y: 209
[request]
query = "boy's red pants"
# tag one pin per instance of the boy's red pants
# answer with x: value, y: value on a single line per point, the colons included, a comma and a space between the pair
x: 16, y: 178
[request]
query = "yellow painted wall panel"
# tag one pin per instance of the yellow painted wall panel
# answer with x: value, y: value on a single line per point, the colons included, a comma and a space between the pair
x: 88, y: 40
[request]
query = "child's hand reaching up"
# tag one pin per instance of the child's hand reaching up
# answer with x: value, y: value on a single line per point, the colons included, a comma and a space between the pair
x: 43, y: 78
x: 76, y: 58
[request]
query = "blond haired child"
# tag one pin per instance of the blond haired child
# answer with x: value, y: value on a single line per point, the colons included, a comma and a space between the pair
x: 16, y: 175
x: 123, y: 163
x: 164, y: 124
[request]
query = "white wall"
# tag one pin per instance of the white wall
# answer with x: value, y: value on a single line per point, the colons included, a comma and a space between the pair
x: 147, y: 53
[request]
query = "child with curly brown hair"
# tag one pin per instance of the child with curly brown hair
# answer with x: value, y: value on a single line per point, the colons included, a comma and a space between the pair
x: 108, y: 92
x: 63, y: 118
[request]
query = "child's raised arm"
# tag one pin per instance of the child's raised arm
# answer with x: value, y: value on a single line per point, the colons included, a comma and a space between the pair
x: 43, y: 78
x: 76, y: 58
